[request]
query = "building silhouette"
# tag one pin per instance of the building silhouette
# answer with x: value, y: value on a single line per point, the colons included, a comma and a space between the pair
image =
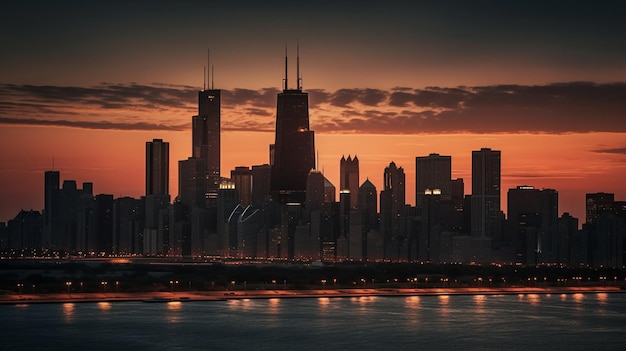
x: 349, y: 178
x: 432, y: 172
x: 392, y: 202
x: 294, y: 146
x: 532, y: 225
x: 52, y: 181
x: 206, y: 140
x: 597, y: 204
x: 157, y: 167
x: 485, y: 200
x: 242, y: 177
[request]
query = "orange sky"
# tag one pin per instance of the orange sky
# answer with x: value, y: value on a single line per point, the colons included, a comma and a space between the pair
x: 114, y: 160
x: 88, y: 83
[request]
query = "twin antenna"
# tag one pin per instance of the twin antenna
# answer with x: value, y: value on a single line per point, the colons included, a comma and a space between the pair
x: 299, y: 79
x: 212, y: 75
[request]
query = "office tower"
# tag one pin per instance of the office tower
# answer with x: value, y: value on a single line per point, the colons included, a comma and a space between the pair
x: 25, y: 230
x: 368, y: 210
x: 51, y: 208
x: 128, y: 218
x: 261, y: 175
x: 199, y: 175
x: 532, y: 226
x: 242, y: 177
x: 206, y: 140
x: 349, y: 178
x: 228, y: 200
x: 597, y: 204
x: 569, y: 252
x: 392, y: 201
x: 368, y: 204
x: 157, y: 167
x: 103, y: 214
x: 432, y: 172
x: 191, y: 183
x: 457, y: 195
x: 486, y: 193
x: 314, y: 191
x: 329, y: 191
x: 294, y: 145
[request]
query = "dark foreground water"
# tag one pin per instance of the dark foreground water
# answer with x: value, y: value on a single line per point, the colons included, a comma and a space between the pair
x: 513, y: 322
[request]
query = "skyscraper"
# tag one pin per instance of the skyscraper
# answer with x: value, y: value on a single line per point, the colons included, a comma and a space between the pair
x: 596, y: 204
x: 349, y: 178
x: 294, y: 146
x: 52, y: 181
x: 433, y: 172
x: 206, y: 139
x: 242, y: 177
x: 392, y: 201
x: 485, y: 193
x: 533, y: 224
x: 199, y: 175
x: 157, y: 167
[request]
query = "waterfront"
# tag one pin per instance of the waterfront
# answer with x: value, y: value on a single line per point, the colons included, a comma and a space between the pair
x: 576, y: 321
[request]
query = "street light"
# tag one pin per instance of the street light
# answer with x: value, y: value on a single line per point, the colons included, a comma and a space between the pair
x: 104, y: 286
x: 323, y: 284
x: 69, y: 285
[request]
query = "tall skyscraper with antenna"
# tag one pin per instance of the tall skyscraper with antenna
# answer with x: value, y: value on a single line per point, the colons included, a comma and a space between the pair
x: 206, y: 138
x: 294, y: 146
x: 199, y: 176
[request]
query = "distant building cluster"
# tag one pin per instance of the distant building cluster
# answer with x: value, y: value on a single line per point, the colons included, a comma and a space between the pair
x: 288, y: 210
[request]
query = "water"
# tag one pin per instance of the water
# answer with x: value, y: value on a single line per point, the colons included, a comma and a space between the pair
x: 512, y: 322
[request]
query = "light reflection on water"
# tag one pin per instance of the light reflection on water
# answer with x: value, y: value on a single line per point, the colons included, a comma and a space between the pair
x: 104, y: 306
x: 369, y: 323
x: 68, y: 311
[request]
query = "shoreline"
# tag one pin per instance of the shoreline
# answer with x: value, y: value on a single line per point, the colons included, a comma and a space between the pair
x: 223, y: 295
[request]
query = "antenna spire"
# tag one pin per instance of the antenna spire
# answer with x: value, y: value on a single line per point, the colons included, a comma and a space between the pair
x: 204, y: 77
x: 298, y: 65
x: 212, y: 78
x: 286, y: 77
x: 208, y: 63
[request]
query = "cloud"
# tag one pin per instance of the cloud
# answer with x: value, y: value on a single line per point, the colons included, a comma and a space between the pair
x: 575, y: 107
x: 95, y: 124
x: 621, y: 151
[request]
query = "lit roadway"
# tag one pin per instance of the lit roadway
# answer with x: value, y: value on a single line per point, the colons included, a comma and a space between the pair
x: 217, y: 295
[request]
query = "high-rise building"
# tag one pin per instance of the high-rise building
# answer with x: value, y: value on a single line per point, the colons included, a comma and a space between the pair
x: 199, y: 175
x: 52, y: 181
x: 294, y: 146
x: 392, y: 201
x: 368, y: 210
x: 432, y: 172
x: 242, y: 177
x: 486, y: 193
x: 532, y: 226
x: 157, y: 167
x: 261, y: 175
x: 206, y: 139
x: 349, y: 178
x: 598, y: 203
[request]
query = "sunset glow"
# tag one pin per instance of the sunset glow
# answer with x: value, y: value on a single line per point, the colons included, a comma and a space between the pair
x: 445, y: 79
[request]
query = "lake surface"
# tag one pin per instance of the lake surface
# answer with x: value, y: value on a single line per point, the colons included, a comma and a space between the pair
x: 480, y: 322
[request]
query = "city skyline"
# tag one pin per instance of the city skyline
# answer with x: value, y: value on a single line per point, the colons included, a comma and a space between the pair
x: 555, y: 112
